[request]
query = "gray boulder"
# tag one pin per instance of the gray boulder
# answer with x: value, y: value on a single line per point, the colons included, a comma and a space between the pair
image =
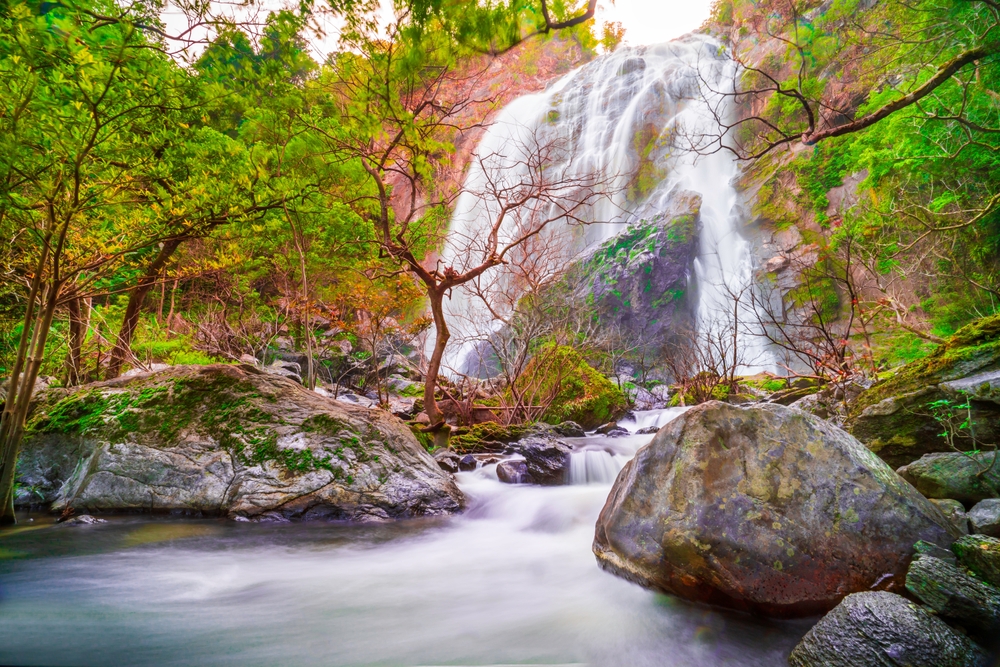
x: 764, y: 509
x: 513, y: 472
x: 448, y: 460
x: 968, y: 478
x: 884, y: 630
x: 227, y: 440
x: 954, y: 594
x: 569, y: 429
x: 955, y: 512
x: 547, y: 460
x: 984, y: 518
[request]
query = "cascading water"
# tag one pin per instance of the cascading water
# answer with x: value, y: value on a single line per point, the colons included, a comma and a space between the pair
x: 616, y: 119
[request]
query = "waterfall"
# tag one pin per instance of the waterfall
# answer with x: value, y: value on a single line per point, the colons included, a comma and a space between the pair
x: 617, y: 118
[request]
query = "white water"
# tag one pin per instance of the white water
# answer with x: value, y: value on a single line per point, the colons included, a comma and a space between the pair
x: 512, y: 581
x: 640, y: 419
x: 601, y: 117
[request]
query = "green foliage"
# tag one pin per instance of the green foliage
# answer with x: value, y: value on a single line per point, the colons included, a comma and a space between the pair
x: 487, y: 435
x: 972, y: 347
x: 578, y: 392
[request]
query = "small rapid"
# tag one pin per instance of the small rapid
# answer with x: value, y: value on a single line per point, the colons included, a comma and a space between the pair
x: 510, y: 581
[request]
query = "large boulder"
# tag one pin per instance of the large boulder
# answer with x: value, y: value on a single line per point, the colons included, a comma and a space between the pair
x: 966, y: 477
x: 227, y: 440
x: 764, y: 509
x: 904, y: 416
x: 887, y: 630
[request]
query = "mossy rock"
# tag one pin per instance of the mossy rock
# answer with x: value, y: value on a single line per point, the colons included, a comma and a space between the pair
x: 580, y: 393
x: 895, y: 417
x: 227, y: 440
x: 488, y: 436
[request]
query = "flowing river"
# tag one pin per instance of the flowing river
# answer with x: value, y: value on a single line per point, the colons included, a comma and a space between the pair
x: 512, y: 581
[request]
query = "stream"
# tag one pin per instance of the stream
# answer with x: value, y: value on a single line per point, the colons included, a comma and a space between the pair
x: 512, y: 581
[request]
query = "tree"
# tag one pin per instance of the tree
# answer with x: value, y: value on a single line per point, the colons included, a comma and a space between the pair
x: 101, y: 169
x: 400, y: 105
x: 900, y: 96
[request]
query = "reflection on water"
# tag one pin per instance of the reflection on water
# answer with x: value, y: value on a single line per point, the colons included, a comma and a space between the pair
x: 513, y: 581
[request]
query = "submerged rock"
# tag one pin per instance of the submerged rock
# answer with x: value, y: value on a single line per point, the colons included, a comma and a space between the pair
x: 83, y: 520
x: 884, y: 629
x: 513, y: 472
x: 968, y: 478
x: 764, y: 509
x: 228, y: 440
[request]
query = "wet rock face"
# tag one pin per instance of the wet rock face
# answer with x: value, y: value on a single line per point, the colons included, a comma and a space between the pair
x: 764, y: 509
x: 227, y: 440
x: 881, y: 628
x: 547, y: 460
x: 638, y: 280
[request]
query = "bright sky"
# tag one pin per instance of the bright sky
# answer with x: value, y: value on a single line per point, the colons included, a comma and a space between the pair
x: 645, y: 21
x: 653, y: 21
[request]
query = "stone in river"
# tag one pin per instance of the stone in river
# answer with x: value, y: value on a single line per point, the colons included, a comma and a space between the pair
x: 765, y: 509
x: 881, y: 629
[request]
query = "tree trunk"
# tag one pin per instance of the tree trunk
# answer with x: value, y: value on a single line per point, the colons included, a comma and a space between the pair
x: 440, y: 430
x: 123, y: 345
x: 79, y: 316
x: 14, y: 416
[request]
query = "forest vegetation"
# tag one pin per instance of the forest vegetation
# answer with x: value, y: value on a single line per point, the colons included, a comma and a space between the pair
x: 213, y: 197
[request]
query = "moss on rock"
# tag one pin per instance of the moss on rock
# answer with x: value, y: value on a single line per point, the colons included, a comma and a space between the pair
x: 579, y: 393
x: 922, y: 407
x: 226, y: 439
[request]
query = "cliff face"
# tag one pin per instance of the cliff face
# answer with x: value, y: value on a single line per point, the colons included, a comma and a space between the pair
x: 790, y: 214
x: 481, y: 87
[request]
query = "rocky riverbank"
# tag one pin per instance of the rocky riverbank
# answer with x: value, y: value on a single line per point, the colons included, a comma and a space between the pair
x: 225, y: 440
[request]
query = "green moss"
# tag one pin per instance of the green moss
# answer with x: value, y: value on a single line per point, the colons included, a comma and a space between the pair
x: 478, y: 436
x: 720, y: 392
x: 415, y: 390
x: 425, y: 439
x: 578, y: 392
x: 221, y: 405
x: 972, y: 348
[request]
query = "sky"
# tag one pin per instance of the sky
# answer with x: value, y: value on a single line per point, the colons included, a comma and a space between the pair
x: 653, y: 21
x: 645, y: 21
